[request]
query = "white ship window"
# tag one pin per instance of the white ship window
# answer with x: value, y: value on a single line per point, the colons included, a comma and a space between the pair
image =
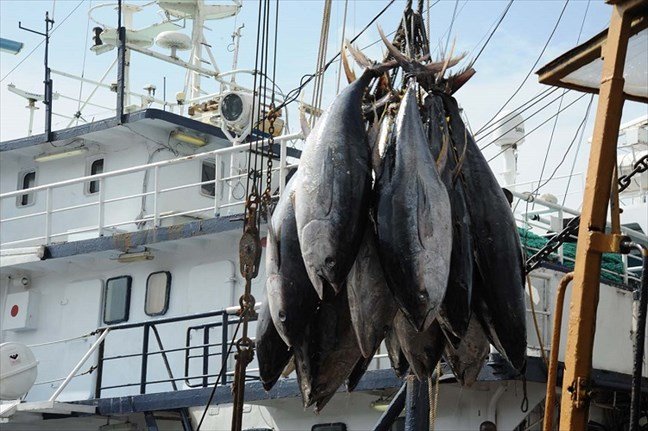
x: 158, y: 289
x: 95, y: 167
x: 26, y: 180
x: 208, y: 173
x: 117, y: 299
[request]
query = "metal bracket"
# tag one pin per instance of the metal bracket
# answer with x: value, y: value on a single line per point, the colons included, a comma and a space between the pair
x: 606, y: 243
x: 580, y: 392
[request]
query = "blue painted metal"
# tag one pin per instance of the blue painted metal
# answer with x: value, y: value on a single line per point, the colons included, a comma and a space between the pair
x: 394, y: 410
x: 124, y: 241
x: 10, y: 46
x: 133, y: 117
x: 417, y: 407
x: 151, y: 423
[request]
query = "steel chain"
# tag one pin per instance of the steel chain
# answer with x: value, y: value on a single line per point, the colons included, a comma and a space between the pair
x: 267, y: 193
x: 572, y: 228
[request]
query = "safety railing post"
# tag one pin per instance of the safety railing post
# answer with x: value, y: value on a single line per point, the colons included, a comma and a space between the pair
x: 48, y: 215
x: 283, y: 153
x: 156, y: 196
x: 224, y: 348
x: 100, y: 365
x: 217, y: 175
x: 102, y: 205
x: 144, y: 369
x: 205, y: 367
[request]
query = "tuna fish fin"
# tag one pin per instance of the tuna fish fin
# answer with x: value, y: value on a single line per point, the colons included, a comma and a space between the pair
x: 448, y: 59
x: 441, y: 161
x: 359, y: 57
x: 303, y: 123
x: 348, y: 71
x: 456, y: 81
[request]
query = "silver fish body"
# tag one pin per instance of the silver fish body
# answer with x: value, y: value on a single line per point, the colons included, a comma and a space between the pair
x: 290, y: 294
x: 413, y: 220
x: 332, y: 198
x: 370, y: 300
x: 498, y: 301
x: 455, y: 310
x: 424, y: 349
x: 272, y: 353
x: 467, y: 359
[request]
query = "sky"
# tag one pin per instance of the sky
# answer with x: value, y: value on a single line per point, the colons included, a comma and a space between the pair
x: 501, y: 68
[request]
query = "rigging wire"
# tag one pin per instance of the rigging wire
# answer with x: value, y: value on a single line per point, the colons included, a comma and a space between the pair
x: 544, y: 48
x: 581, y: 127
x: 543, y: 94
x: 518, y: 124
x: 85, y: 54
x: 42, y: 41
x: 344, y: 22
x: 553, y: 130
x: 571, y: 171
x: 293, y: 94
x: 449, y: 31
x: 538, y: 126
x: 501, y: 18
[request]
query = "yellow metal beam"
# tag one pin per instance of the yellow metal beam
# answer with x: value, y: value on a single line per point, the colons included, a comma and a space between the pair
x: 585, y: 292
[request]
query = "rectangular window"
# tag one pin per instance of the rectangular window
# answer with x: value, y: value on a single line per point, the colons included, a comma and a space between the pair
x: 117, y: 299
x: 158, y: 289
x: 337, y: 426
x: 26, y: 180
x: 95, y: 167
x: 208, y: 173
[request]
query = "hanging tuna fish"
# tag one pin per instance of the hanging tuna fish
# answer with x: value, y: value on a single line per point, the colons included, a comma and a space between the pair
x: 499, y: 303
x: 413, y: 219
x: 332, y: 197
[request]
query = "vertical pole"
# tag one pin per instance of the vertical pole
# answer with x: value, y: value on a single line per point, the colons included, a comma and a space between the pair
x: 416, y: 406
x: 144, y: 369
x: 585, y: 293
x: 48, y: 81
x: 224, y: 346
x: 100, y: 363
x: 48, y: 215
x: 102, y: 205
x: 121, y: 63
x: 283, y: 152
x: 217, y: 174
x: 205, y: 367
x: 156, y: 196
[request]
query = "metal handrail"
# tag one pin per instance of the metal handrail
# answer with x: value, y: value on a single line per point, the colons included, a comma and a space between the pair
x: 102, y: 201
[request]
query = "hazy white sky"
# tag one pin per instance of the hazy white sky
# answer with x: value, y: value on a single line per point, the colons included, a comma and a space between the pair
x: 500, y: 69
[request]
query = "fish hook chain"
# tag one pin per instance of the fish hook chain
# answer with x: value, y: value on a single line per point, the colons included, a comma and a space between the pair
x: 266, y: 198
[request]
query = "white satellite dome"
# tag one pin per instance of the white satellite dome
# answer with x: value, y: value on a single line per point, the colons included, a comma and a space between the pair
x: 173, y: 40
x: 18, y: 370
x: 508, y: 129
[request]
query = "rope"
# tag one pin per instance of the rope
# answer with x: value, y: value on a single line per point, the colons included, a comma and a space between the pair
x: 64, y: 340
x: 344, y: 21
x: 433, y: 396
x: 493, y: 32
x: 544, y: 48
x: 535, y: 322
x: 88, y: 371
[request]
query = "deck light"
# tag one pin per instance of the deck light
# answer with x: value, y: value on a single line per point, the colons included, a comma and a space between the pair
x: 188, y: 139
x: 10, y: 46
x: 139, y: 256
x: 48, y: 157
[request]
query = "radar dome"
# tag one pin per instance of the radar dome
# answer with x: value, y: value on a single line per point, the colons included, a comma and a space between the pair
x: 173, y: 40
x: 508, y: 129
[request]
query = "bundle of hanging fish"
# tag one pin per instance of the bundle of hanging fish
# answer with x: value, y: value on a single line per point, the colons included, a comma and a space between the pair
x: 393, y: 229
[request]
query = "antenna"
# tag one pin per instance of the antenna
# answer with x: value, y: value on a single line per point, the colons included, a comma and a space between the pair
x: 47, y: 97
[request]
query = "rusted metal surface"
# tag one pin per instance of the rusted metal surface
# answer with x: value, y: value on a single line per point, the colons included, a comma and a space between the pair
x: 602, y: 161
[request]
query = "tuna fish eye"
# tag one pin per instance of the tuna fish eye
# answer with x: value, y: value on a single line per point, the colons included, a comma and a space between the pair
x: 282, y: 316
x: 329, y: 262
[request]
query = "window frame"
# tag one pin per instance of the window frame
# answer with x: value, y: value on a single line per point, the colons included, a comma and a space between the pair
x: 128, y: 300
x: 21, y: 181
x: 166, y: 296
x: 200, y: 179
x: 89, y: 162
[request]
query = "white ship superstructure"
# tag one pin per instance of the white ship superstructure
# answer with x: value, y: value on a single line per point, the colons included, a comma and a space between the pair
x: 119, y: 267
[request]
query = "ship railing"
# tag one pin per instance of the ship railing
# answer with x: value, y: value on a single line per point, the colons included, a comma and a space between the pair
x: 221, y: 201
x: 545, y: 219
x: 199, y: 327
